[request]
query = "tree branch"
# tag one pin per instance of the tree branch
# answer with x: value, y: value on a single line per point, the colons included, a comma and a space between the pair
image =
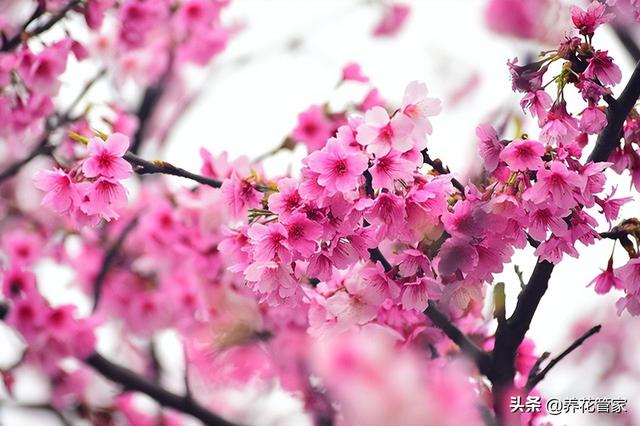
x: 627, y: 41
x: 377, y: 256
x: 470, y: 349
x: 617, y: 113
x: 142, y: 166
x: 14, y: 42
x: 510, y: 333
x: 42, y: 148
x: 537, y: 378
x: 107, y: 261
x: 133, y: 382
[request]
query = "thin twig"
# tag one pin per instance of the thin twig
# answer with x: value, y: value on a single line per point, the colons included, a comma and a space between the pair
x: 617, y: 113
x: 142, y: 166
x: 134, y: 382
x: 470, y: 349
x: 14, y: 42
x: 376, y: 256
x: 42, y: 148
x: 532, y: 382
x: 108, y: 259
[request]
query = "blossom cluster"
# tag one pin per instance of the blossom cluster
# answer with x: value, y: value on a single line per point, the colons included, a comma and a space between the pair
x: 323, y: 279
x: 92, y: 189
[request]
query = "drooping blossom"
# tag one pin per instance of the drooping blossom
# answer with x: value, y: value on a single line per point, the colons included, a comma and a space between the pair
x: 601, y: 66
x: 606, y: 280
x: 61, y: 192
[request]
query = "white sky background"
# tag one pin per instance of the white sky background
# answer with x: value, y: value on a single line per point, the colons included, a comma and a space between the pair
x: 249, y: 109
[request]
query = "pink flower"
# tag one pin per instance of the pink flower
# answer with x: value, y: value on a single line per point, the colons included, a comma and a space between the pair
x: 546, y: 218
x: 456, y: 255
x: 526, y: 78
x: 105, y: 158
x: 371, y: 100
x: 523, y: 155
x: 339, y: 169
x: 203, y: 44
x: 419, y: 107
x: 554, y: 249
x: 379, y: 133
x: 18, y: 283
x: 630, y: 276
x: 601, y: 66
x: 389, y: 168
x: 95, y: 11
x: 586, y: 21
x: 611, y: 206
x: 537, y: 102
x: 137, y: 19
x: 22, y: 248
x: 313, y: 128
x: 607, y: 279
x: 412, y: 261
x: 631, y: 302
x: 559, y: 126
x: 489, y: 147
x: 416, y: 295
x: 43, y: 70
x: 287, y: 199
x: 302, y: 234
x: 519, y: 18
x: 103, y: 198
x: 388, y: 211
x: 558, y: 182
x: 593, y: 120
x: 378, y: 286
x: 272, y: 279
x: 61, y: 192
x: 353, y: 72
x: 196, y: 13
x: 270, y: 242
x: 240, y: 194
x: 393, y: 18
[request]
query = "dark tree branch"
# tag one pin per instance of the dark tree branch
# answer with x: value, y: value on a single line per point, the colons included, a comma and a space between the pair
x: 4, y: 310
x: 532, y: 382
x: 12, y: 43
x: 441, y: 169
x: 148, y: 104
x: 149, y: 101
x: 377, y: 256
x: 142, y: 166
x: 108, y: 259
x: 617, y: 113
x: 133, y: 382
x: 42, y: 148
x: 512, y: 332
x: 470, y: 349
x: 628, y: 42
